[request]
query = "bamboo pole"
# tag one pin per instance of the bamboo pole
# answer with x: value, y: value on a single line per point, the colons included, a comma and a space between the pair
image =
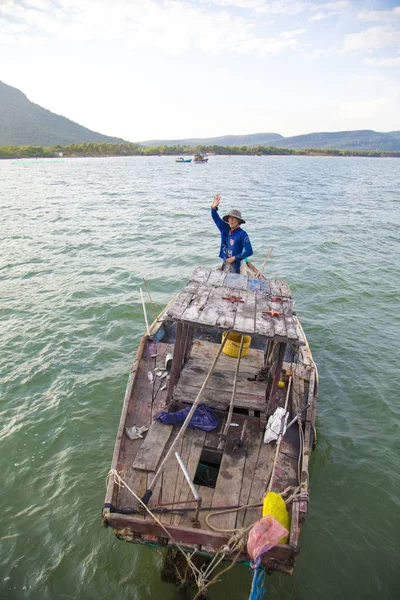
x: 261, y: 271
x: 186, y: 422
x: 151, y: 301
x: 144, y: 312
x: 280, y: 436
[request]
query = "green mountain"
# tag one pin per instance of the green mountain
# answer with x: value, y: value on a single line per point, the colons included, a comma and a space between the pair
x: 340, y: 140
x: 23, y: 123
x: 254, y: 139
x: 344, y: 140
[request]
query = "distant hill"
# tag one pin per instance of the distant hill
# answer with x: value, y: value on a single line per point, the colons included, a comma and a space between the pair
x: 253, y: 139
x: 24, y: 123
x: 339, y: 140
x: 344, y: 140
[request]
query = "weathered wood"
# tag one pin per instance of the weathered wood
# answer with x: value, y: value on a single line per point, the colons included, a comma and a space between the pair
x: 197, y: 304
x: 277, y: 374
x: 294, y: 526
x: 245, y: 314
x: 254, y: 444
x: 182, y: 300
x: 229, y: 485
x: 201, y: 274
x: 218, y: 312
x: 238, y: 282
x: 217, y: 278
x: 188, y: 343
x: 259, y: 483
x: 152, y: 447
x: 203, y: 352
x: 196, y: 448
x: 176, y: 361
x: 204, y: 304
x: 187, y: 535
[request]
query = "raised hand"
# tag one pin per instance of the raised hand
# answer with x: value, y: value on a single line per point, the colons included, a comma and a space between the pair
x: 216, y: 201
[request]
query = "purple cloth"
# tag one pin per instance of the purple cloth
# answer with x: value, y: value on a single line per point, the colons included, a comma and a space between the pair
x: 203, y: 417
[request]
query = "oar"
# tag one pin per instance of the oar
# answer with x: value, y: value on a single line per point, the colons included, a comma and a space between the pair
x: 186, y: 422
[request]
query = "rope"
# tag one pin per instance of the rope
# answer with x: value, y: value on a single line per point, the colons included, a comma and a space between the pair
x: 236, y: 542
x: 119, y: 481
x: 257, y: 591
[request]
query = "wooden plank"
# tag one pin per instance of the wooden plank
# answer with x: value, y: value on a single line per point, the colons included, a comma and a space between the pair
x: 285, y: 291
x: 181, y: 301
x: 238, y: 282
x: 198, y: 436
x: 298, y: 369
x: 180, y: 479
x: 245, y: 314
x: 291, y: 329
x: 228, y: 486
x: 197, y: 304
x: 259, y: 483
x: 285, y: 472
x: 275, y: 287
x: 152, y: 447
x: 200, y: 274
x: 252, y: 451
x: 203, y: 354
x: 294, y: 526
x: 279, y: 322
x: 265, y: 287
x: 263, y: 324
x: 254, y: 285
x: 218, y: 312
x: 170, y: 476
x: 217, y: 278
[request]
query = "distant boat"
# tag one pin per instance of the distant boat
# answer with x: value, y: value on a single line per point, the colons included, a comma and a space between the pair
x: 200, y: 158
x: 181, y: 159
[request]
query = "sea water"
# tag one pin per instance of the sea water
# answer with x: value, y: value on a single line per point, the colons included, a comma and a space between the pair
x: 78, y: 238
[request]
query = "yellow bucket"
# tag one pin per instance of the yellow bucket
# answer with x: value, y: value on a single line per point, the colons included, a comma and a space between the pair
x: 232, y: 345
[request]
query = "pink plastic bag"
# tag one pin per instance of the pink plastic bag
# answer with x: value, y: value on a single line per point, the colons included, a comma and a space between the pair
x: 265, y: 534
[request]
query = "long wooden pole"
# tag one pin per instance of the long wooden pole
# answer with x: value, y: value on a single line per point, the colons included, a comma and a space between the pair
x: 144, y: 312
x: 186, y: 422
x: 224, y: 434
x: 151, y: 301
x: 261, y: 271
x: 280, y: 436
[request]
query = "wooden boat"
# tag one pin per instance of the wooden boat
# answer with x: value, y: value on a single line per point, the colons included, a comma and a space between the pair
x: 183, y: 160
x: 151, y: 497
x: 200, y: 158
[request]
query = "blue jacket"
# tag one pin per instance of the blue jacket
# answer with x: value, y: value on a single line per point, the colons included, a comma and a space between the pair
x: 235, y: 243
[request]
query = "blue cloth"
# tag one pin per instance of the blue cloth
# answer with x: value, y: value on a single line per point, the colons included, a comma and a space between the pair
x: 202, y: 418
x: 235, y: 243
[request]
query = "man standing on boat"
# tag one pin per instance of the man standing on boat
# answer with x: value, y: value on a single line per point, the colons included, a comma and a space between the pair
x: 235, y: 243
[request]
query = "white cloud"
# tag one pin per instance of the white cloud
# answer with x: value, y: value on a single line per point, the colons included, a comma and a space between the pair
x: 172, y: 26
x: 371, y: 39
x: 383, y: 62
x: 320, y: 16
x: 380, y: 15
x: 274, y: 7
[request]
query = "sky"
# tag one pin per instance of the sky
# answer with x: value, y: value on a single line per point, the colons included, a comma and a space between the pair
x: 170, y: 69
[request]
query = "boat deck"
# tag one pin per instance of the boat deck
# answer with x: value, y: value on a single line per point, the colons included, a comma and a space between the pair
x: 244, y: 470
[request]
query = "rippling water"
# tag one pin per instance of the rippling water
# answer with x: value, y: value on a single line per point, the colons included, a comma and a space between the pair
x: 78, y: 236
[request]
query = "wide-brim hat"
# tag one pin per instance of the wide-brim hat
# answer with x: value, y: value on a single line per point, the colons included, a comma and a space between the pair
x: 234, y: 213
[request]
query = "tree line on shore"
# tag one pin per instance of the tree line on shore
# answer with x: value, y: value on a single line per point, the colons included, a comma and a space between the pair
x: 104, y: 149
